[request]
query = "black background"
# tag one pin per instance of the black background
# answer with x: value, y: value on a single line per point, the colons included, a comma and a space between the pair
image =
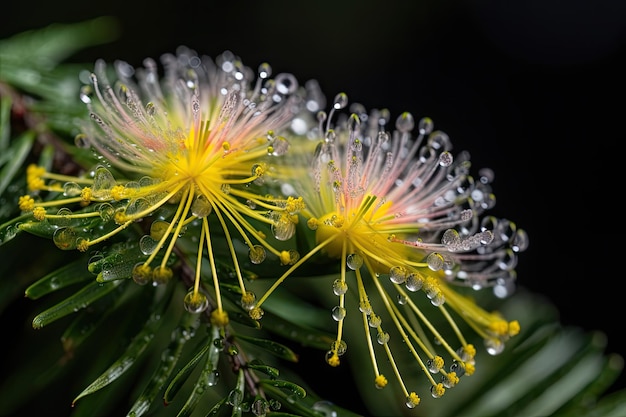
x: 533, y: 89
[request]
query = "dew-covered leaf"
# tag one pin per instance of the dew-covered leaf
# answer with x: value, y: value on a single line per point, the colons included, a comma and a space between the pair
x: 134, y: 350
x: 69, y: 274
x: 81, y: 299
x: 271, y: 346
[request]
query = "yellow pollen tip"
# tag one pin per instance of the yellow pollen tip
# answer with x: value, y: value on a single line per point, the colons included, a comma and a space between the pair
x: 118, y: 192
x: 312, y: 223
x: 256, y: 313
x: 226, y: 146
x: 26, y: 203
x: 438, y: 390
x: 469, y: 369
x: 120, y: 217
x: 380, y: 381
x: 499, y: 327
x: 83, y: 245
x: 413, y: 400
x: 39, y: 213
x: 438, y: 363
x: 514, y: 328
x: 470, y: 350
x: 333, y: 360
x: 219, y: 318
x: 162, y: 274
x: 285, y: 258
x: 86, y: 194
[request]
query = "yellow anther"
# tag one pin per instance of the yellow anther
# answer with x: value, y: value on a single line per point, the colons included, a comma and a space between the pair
x: 120, y: 217
x: 118, y: 192
x: 499, y: 327
x: 514, y: 328
x: 256, y: 313
x: 452, y: 378
x: 333, y: 359
x: 248, y: 298
x: 219, y: 318
x: 380, y: 381
x: 34, y: 178
x: 469, y: 368
x: 438, y: 363
x: 438, y: 390
x: 226, y: 146
x: 312, y: 223
x: 86, y: 194
x: 285, y: 258
x: 39, y: 213
x: 162, y: 274
x: 413, y: 400
x: 469, y: 350
x: 142, y: 273
x: 83, y: 245
x: 26, y: 203
x: 294, y: 205
x: 338, y: 221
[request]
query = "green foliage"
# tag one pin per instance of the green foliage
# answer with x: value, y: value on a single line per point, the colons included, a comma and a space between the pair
x: 132, y: 348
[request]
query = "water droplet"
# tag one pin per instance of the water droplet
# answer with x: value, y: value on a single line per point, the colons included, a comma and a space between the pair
x: 445, y: 159
x: 435, y: 261
x: 248, y: 300
x: 103, y: 181
x: 158, y: 229
x: 374, y: 321
x: 414, y: 281
x: 354, y: 261
x: 65, y: 238
x: 260, y: 407
x: 54, y: 283
x: 340, y: 101
x: 234, y: 397
x: 201, y: 206
x: 283, y: 228
x: 257, y: 254
x: 279, y: 146
x: 286, y: 83
x: 382, y: 337
x: 71, y: 189
x: 425, y: 126
x: 338, y: 313
x: 340, y: 346
x: 325, y: 408
x: 141, y: 273
x: 405, y: 122
x: 106, y: 211
x: 339, y: 287
x: 397, y: 274
x: 81, y: 141
x: 147, y: 244
x: 213, y: 378
x: 265, y: 70
x: 195, y: 302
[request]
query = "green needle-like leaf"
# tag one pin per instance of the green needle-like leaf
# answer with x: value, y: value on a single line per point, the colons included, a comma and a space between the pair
x: 271, y: 346
x: 134, y: 350
x: 169, y: 358
x: 63, y: 277
x: 81, y: 299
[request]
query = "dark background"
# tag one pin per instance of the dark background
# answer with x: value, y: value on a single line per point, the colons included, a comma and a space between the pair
x: 533, y: 89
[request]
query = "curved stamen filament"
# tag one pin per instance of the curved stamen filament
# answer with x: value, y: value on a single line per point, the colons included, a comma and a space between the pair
x: 187, y: 200
x: 293, y: 268
x: 231, y: 248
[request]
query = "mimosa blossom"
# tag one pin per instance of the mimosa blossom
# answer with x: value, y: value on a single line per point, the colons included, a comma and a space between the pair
x: 402, y: 216
x: 197, y: 142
